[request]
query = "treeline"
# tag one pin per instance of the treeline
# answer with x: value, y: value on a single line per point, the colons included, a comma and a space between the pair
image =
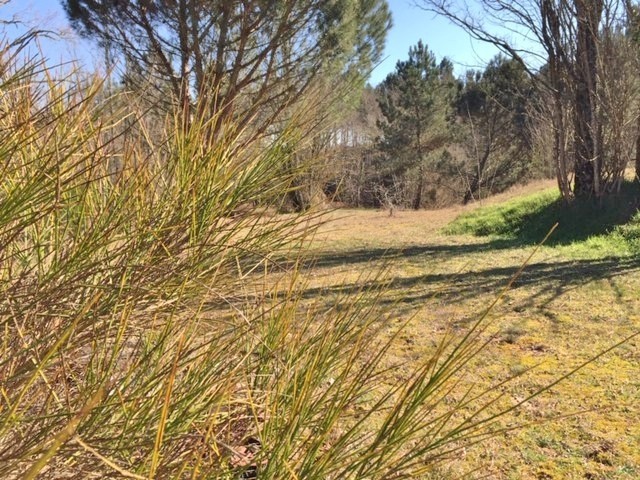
x: 423, y: 138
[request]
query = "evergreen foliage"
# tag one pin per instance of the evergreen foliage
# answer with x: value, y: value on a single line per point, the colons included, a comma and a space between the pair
x: 415, y: 103
x: 492, y: 107
x: 251, y: 59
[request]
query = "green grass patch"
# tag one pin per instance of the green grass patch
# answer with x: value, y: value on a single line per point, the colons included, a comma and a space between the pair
x: 610, y: 227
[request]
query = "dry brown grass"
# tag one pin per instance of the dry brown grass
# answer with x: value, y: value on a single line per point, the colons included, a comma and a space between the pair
x: 350, y: 226
x: 559, y: 313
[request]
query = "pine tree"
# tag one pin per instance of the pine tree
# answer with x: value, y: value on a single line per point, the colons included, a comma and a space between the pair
x: 414, y: 100
x: 250, y: 59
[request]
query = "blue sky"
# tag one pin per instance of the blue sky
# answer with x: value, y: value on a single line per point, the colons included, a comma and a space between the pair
x: 410, y: 25
x: 48, y: 15
x: 444, y: 39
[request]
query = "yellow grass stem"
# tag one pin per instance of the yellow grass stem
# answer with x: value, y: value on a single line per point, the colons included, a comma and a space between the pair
x: 40, y: 364
x: 164, y: 414
x: 109, y: 463
x: 65, y: 434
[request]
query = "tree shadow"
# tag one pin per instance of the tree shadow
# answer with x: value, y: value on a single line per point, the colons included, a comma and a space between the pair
x: 548, y: 279
x: 578, y: 221
x: 545, y: 280
x: 330, y: 259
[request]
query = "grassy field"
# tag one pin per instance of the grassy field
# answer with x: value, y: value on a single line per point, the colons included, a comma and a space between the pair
x: 150, y: 331
x: 576, y: 297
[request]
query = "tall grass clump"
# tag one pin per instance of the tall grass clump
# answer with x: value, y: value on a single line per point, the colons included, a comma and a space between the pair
x: 110, y: 240
x: 144, y: 334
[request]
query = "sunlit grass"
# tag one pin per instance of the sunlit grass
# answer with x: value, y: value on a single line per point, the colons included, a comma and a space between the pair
x: 144, y: 332
x: 585, y: 229
x: 562, y: 310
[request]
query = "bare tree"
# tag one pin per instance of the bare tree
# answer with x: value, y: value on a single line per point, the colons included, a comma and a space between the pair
x: 491, y: 107
x: 618, y: 97
x: 350, y: 147
x: 567, y: 38
x: 633, y: 20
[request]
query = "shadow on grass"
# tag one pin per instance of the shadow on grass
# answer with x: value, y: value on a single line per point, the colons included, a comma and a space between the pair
x: 546, y: 280
x: 528, y: 221
x: 434, y: 251
x: 521, y: 225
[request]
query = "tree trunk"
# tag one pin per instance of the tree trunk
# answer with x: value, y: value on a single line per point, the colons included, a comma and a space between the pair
x: 559, y: 150
x: 587, y: 161
x: 478, y: 177
x: 474, y: 185
x: 417, y: 201
x: 638, y: 151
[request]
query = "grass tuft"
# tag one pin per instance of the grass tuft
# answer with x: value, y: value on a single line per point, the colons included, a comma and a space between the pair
x: 147, y: 334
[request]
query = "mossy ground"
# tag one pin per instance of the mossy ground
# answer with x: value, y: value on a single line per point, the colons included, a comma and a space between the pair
x: 571, y: 302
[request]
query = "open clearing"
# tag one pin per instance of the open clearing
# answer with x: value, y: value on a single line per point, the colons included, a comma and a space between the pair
x: 561, y: 311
